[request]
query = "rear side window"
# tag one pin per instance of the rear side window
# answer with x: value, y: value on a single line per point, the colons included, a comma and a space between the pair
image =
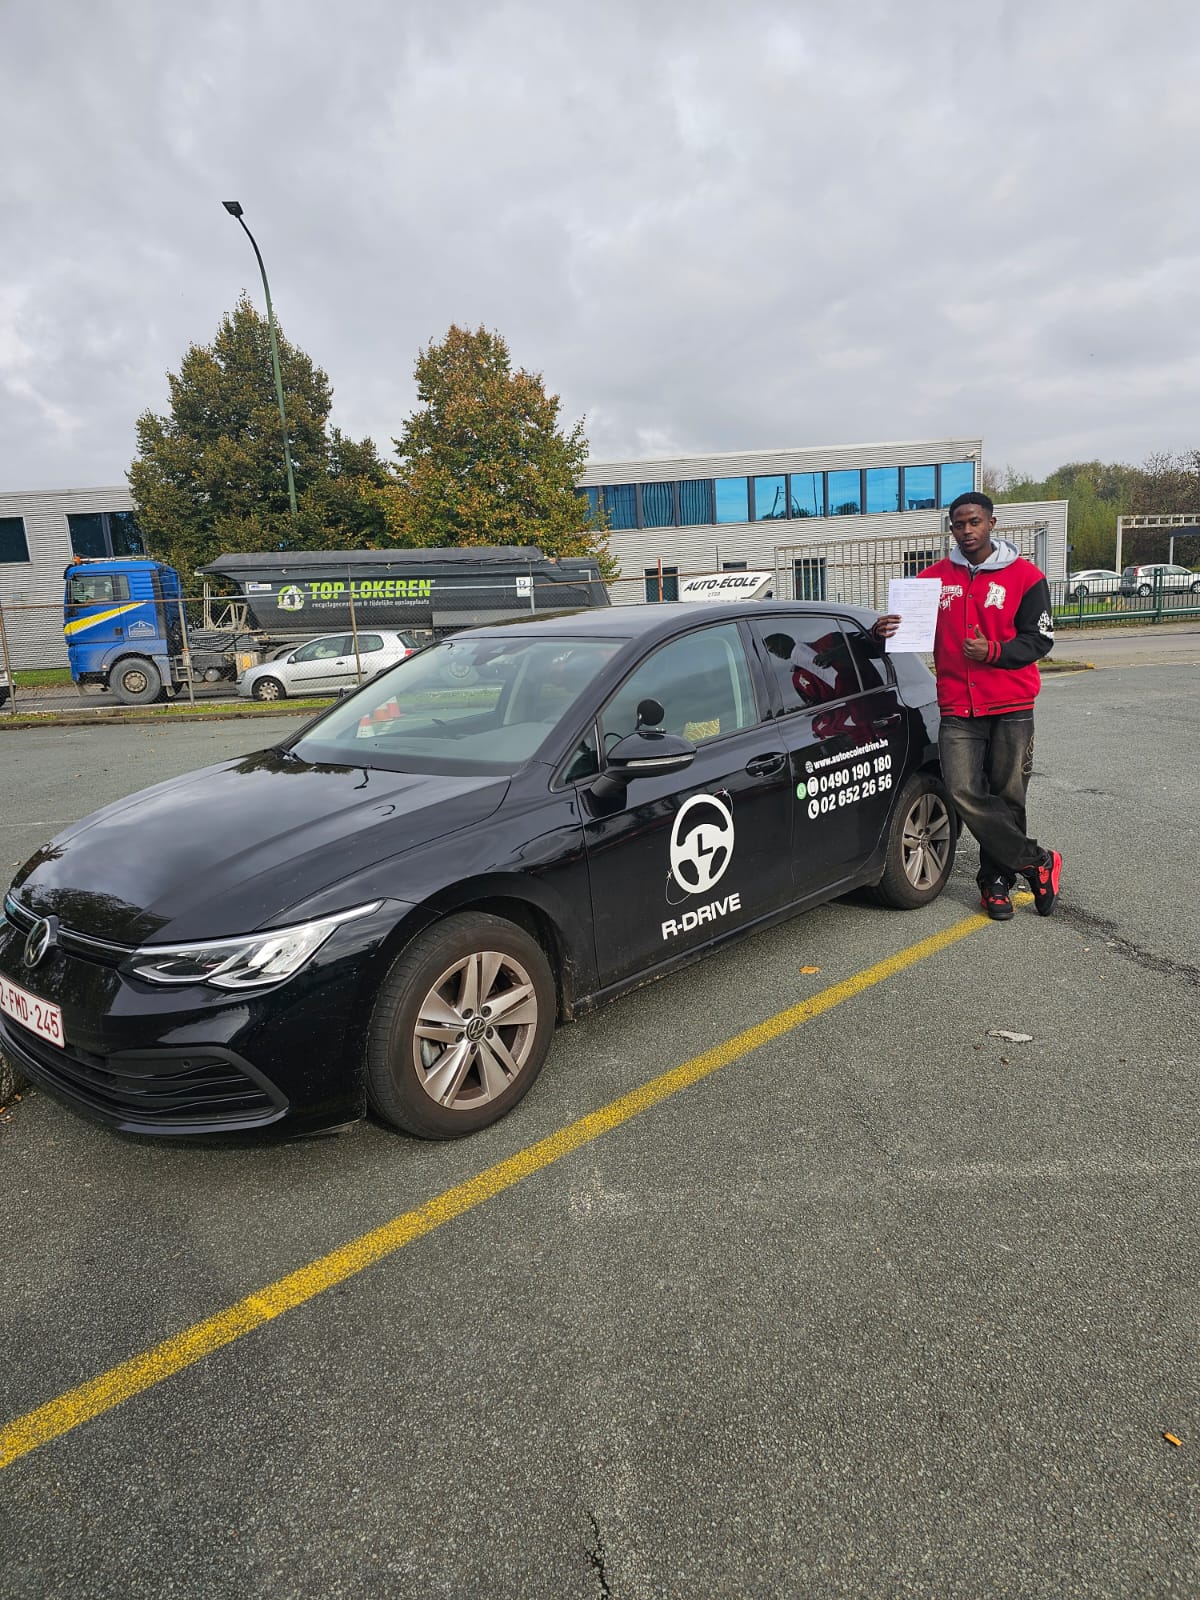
x: 809, y: 658
x: 868, y: 655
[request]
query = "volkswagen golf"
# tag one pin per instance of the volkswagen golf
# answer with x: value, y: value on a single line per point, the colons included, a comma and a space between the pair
x: 393, y: 908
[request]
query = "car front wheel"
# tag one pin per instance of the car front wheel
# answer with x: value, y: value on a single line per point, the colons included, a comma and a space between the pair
x: 920, y: 848
x: 268, y: 689
x: 461, y: 1027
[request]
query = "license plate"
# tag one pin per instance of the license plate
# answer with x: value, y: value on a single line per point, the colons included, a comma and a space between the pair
x: 39, y: 1016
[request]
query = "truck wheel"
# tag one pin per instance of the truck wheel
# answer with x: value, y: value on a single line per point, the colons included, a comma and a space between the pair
x: 136, y: 682
x: 269, y: 689
x: 920, y: 848
x: 462, y: 1025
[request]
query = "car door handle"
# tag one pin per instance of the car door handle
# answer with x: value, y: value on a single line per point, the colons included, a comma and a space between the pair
x: 887, y: 722
x: 764, y: 766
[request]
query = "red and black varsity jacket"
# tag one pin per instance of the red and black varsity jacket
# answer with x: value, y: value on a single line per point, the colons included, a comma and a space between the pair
x: 1009, y: 599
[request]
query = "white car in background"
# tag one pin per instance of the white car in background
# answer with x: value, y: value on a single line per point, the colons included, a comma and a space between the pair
x: 1092, y: 580
x: 323, y: 666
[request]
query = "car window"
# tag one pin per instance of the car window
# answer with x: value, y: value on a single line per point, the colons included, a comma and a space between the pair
x: 702, y: 682
x: 585, y: 760
x: 368, y: 643
x: 469, y: 704
x: 329, y: 649
x: 811, y: 660
x: 868, y: 655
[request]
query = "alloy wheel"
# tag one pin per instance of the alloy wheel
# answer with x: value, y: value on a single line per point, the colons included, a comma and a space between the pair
x: 475, y: 1030
x: 926, y: 840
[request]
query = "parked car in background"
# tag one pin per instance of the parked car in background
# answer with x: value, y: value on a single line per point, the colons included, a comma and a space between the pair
x: 1092, y: 580
x: 1163, y: 575
x: 5, y: 685
x: 393, y: 906
x: 325, y: 665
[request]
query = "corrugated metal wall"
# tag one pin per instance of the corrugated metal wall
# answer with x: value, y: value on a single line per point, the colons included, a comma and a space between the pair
x: 766, y: 463
x: 704, y: 549
x: 31, y: 591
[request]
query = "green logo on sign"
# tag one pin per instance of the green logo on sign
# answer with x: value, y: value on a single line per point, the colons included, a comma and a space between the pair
x: 801, y: 791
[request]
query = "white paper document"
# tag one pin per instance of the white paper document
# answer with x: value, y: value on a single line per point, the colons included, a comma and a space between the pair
x: 915, y: 602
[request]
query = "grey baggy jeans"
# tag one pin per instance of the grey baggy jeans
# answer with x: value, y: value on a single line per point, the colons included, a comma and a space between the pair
x: 987, y: 762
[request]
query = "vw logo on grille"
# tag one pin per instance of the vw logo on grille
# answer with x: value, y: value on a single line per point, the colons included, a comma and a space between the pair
x: 42, y: 935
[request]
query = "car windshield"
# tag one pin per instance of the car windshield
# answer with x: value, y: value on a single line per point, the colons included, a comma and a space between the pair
x: 468, y: 705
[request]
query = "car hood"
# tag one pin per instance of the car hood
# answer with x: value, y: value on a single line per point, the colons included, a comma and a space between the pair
x: 230, y: 848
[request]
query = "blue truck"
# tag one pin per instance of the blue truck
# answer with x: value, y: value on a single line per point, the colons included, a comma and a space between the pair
x: 127, y: 629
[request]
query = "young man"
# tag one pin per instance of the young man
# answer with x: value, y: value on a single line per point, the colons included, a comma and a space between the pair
x: 994, y: 624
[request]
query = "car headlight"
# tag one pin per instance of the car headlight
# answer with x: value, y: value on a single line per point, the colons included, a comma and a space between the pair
x: 246, y: 963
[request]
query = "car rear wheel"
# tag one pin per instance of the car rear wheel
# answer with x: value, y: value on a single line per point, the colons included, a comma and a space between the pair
x: 1144, y: 589
x: 269, y: 689
x: 921, y: 844
x: 461, y: 1028
x: 1196, y: 588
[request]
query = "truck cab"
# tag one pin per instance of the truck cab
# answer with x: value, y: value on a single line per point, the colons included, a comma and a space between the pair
x: 123, y: 626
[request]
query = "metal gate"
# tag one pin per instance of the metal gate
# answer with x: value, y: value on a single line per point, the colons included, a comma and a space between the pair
x: 856, y: 572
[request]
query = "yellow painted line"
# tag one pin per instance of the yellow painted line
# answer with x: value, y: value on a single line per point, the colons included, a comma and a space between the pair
x: 141, y: 1372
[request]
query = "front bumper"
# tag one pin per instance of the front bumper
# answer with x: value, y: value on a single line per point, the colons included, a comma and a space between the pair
x: 195, y: 1060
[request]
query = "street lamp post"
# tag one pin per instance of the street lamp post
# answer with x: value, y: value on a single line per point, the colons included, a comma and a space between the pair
x: 235, y: 210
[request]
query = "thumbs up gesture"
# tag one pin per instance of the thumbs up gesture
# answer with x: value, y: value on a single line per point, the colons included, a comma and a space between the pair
x: 975, y: 646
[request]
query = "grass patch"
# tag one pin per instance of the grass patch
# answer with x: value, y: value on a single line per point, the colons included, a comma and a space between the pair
x: 43, y: 678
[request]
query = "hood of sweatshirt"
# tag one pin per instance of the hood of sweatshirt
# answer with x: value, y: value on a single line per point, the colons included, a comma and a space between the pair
x: 1004, y: 553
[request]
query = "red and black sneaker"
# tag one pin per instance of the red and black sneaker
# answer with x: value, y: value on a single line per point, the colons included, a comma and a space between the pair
x: 1044, y: 880
x: 995, y: 899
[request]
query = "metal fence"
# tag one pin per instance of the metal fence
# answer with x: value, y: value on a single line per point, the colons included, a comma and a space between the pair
x: 221, y: 636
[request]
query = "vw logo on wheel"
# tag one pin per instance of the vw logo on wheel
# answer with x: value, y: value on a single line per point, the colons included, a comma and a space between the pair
x: 42, y: 935
x: 701, y: 843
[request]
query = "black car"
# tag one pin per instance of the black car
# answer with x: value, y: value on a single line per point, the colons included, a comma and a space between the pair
x: 392, y: 908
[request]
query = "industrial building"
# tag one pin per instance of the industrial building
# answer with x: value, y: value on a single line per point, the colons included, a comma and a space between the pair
x: 830, y: 523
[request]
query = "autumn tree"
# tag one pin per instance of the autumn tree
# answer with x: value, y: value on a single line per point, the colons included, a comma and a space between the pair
x: 210, y: 474
x: 484, y: 459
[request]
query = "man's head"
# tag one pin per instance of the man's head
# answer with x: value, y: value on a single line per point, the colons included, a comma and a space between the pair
x: 780, y: 644
x: 971, y: 522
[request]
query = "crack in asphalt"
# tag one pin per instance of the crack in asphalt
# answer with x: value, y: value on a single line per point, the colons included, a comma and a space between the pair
x: 1086, y: 923
x: 597, y: 1558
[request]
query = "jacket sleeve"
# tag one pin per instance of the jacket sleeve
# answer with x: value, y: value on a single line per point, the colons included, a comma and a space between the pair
x: 1034, y: 623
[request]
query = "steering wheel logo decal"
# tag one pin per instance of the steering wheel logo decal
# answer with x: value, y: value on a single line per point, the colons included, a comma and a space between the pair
x: 701, y: 844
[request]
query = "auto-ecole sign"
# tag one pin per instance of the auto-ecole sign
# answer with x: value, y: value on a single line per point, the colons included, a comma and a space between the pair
x: 726, y: 586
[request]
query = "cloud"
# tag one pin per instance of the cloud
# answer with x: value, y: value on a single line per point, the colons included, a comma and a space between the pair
x: 711, y: 227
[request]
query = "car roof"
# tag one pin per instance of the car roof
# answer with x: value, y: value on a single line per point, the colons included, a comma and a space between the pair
x: 653, y: 620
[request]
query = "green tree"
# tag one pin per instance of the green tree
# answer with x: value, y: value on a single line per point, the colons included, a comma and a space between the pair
x: 210, y: 474
x: 483, y: 460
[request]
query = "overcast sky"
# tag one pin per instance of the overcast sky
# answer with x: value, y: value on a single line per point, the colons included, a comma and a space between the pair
x: 711, y: 226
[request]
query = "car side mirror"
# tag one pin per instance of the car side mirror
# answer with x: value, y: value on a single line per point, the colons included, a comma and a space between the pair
x: 647, y: 753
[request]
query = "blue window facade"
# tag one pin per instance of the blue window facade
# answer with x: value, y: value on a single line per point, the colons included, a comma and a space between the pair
x: 620, y: 501
x: 770, y: 499
x: 658, y: 505
x: 845, y: 493
x: 695, y: 502
x: 732, y: 499
x: 958, y: 477
x: 780, y: 497
x: 807, y: 494
x: 883, y: 488
x: 920, y: 488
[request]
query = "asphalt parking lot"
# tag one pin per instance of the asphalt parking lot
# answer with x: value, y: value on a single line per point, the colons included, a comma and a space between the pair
x: 885, y: 1305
